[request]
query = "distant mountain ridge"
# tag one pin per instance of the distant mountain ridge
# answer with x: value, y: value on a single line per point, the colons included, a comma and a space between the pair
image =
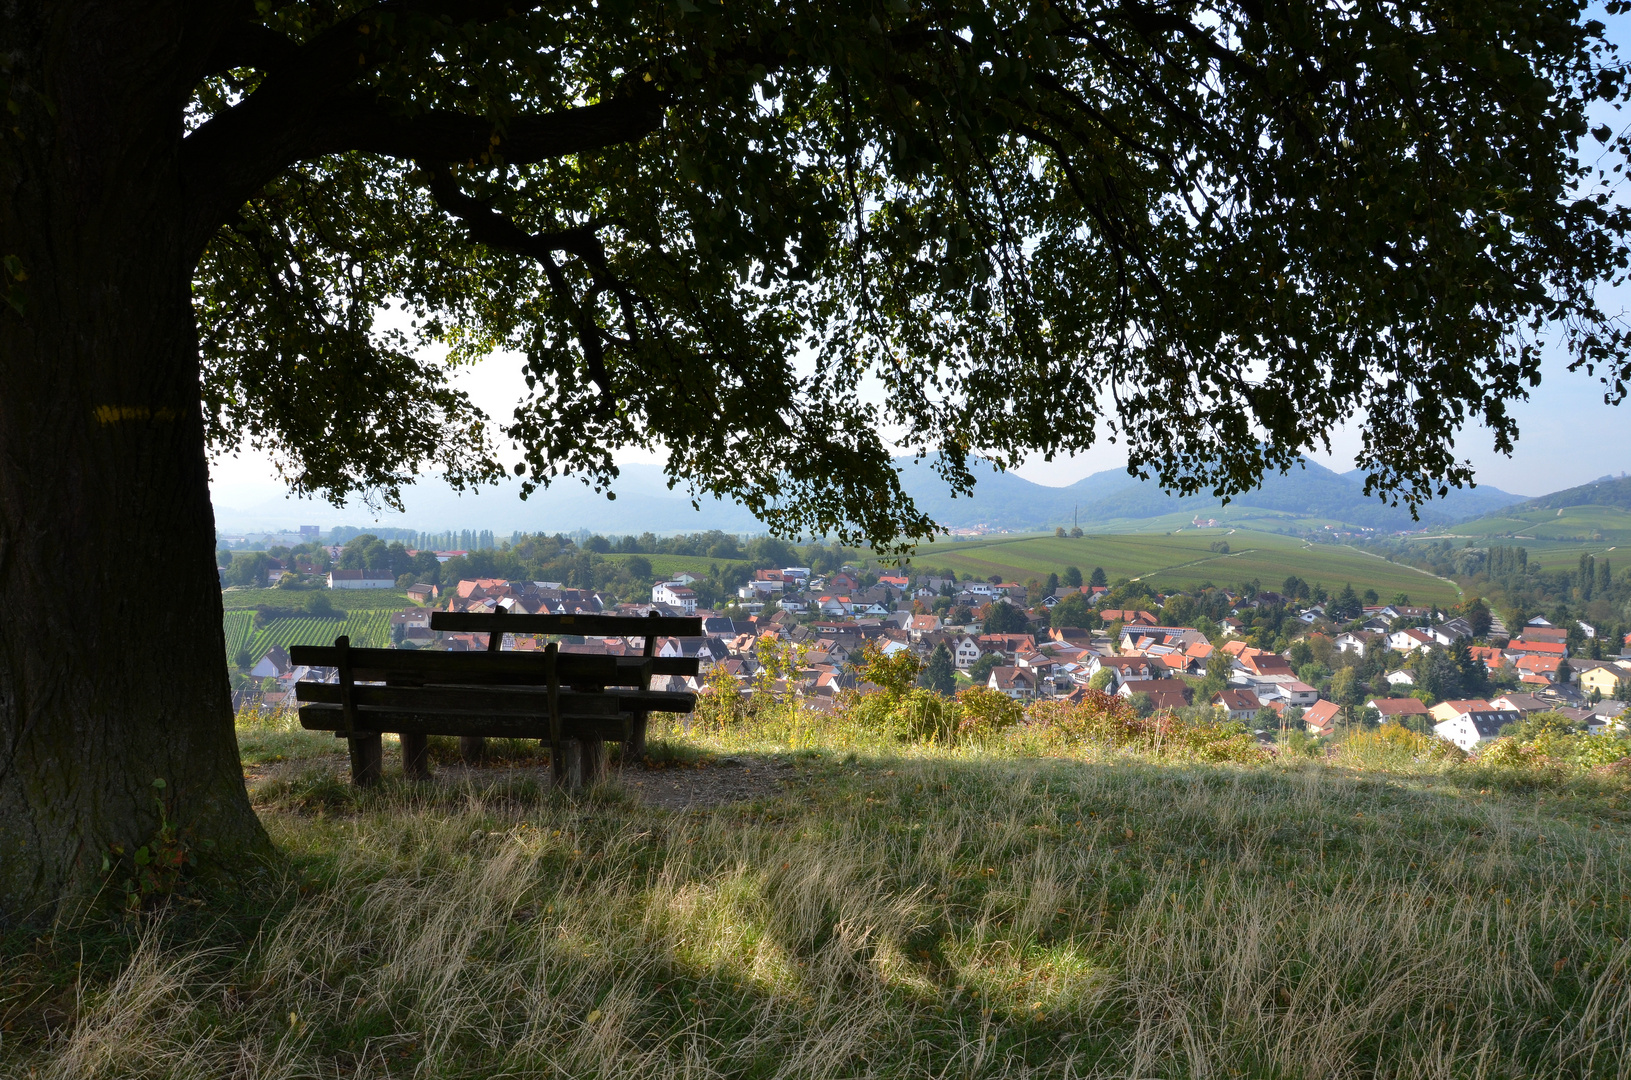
x: 1001, y: 501
x: 1005, y: 501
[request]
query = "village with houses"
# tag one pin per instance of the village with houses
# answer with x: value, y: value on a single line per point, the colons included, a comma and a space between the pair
x: 1296, y: 664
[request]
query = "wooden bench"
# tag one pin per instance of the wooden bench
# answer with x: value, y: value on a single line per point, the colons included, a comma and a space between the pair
x: 575, y: 702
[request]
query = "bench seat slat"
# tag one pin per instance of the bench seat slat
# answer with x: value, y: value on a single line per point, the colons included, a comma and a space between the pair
x: 517, y: 701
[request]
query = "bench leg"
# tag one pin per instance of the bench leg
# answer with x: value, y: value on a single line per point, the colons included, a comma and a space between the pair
x: 366, y: 753
x: 473, y: 748
x: 568, y: 771
x: 415, y: 756
x: 593, y: 755
x: 634, y: 747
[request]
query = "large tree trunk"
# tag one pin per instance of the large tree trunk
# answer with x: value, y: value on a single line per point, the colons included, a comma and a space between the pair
x: 112, y: 665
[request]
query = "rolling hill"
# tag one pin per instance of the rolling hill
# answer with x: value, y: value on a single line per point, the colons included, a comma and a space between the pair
x: 1186, y: 559
x: 1598, y: 512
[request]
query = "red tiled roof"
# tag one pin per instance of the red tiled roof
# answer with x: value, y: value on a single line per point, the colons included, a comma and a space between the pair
x: 1321, y: 715
x: 1237, y: 700
x: 1544, y: 648
x: 1265, y: 663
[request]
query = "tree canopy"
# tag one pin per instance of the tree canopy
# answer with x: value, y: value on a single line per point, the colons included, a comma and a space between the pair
x: 759, y: 235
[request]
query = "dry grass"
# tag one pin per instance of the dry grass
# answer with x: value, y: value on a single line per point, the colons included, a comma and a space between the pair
x: 922, y: 912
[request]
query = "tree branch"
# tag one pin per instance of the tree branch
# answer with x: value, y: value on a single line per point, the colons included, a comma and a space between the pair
x: 487, y: 226
x: 230, y: 158
x: 308, y: 105
x: 456, y: 137
x: 249, y: 44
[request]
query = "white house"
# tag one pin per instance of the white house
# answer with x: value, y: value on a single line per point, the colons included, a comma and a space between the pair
x: 1401, y: 678
x: 361, y: 579
x: 1241, y: 704
x: 674, y: 594
x: 274, y: 664
x: 1448, y: 633
x: 1126, y: 668
x: 707, y: 651
x: 965, y: 653
x: 1408, y: 641
x: 1469, y: 729
x: 1354, y: 643
x: 1015, y: 682
x: 1285, y: 688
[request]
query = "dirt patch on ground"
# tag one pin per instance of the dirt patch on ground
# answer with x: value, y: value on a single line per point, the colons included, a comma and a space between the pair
x: 714, y: 783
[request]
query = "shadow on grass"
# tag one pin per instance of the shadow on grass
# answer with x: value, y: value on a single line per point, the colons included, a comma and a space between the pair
x: 919, y: 915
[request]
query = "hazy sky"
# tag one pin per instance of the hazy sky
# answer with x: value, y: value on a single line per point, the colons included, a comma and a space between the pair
x: 1568, y: 436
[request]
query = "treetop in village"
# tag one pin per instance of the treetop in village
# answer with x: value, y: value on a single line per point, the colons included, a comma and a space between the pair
x: 756, y: 235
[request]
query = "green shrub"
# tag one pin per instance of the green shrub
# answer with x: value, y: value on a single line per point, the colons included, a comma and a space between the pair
x: 984, y: 713
x: 975, y: 715
x: 1553, y: 749
x: 1108, y: 720
x: 721, y: 704
x: 1394, y: 742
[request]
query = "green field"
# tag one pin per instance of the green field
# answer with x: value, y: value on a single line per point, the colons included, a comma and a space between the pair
x: 1565, y: 554
x: 342, y: 599
x: 367, y: 622
x: 366, y: 629
x: 1580, y: 525
x: 1549, y: 554
x: 1186, y: 559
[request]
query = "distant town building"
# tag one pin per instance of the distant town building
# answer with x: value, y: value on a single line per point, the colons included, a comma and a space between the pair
x: 361, y: 579
x: 674, y: 594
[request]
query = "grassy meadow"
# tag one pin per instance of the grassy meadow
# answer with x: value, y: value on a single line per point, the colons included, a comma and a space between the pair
x: 881, y: 909
x: 1186, y: 559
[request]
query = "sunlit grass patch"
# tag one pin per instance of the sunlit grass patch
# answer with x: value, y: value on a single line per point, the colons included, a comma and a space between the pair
x: 275, y: 736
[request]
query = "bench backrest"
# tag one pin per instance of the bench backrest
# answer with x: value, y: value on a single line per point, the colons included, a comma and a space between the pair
x: 504, y: 622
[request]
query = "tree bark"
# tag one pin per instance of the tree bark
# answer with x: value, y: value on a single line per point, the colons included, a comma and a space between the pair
x: 112, y: 658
